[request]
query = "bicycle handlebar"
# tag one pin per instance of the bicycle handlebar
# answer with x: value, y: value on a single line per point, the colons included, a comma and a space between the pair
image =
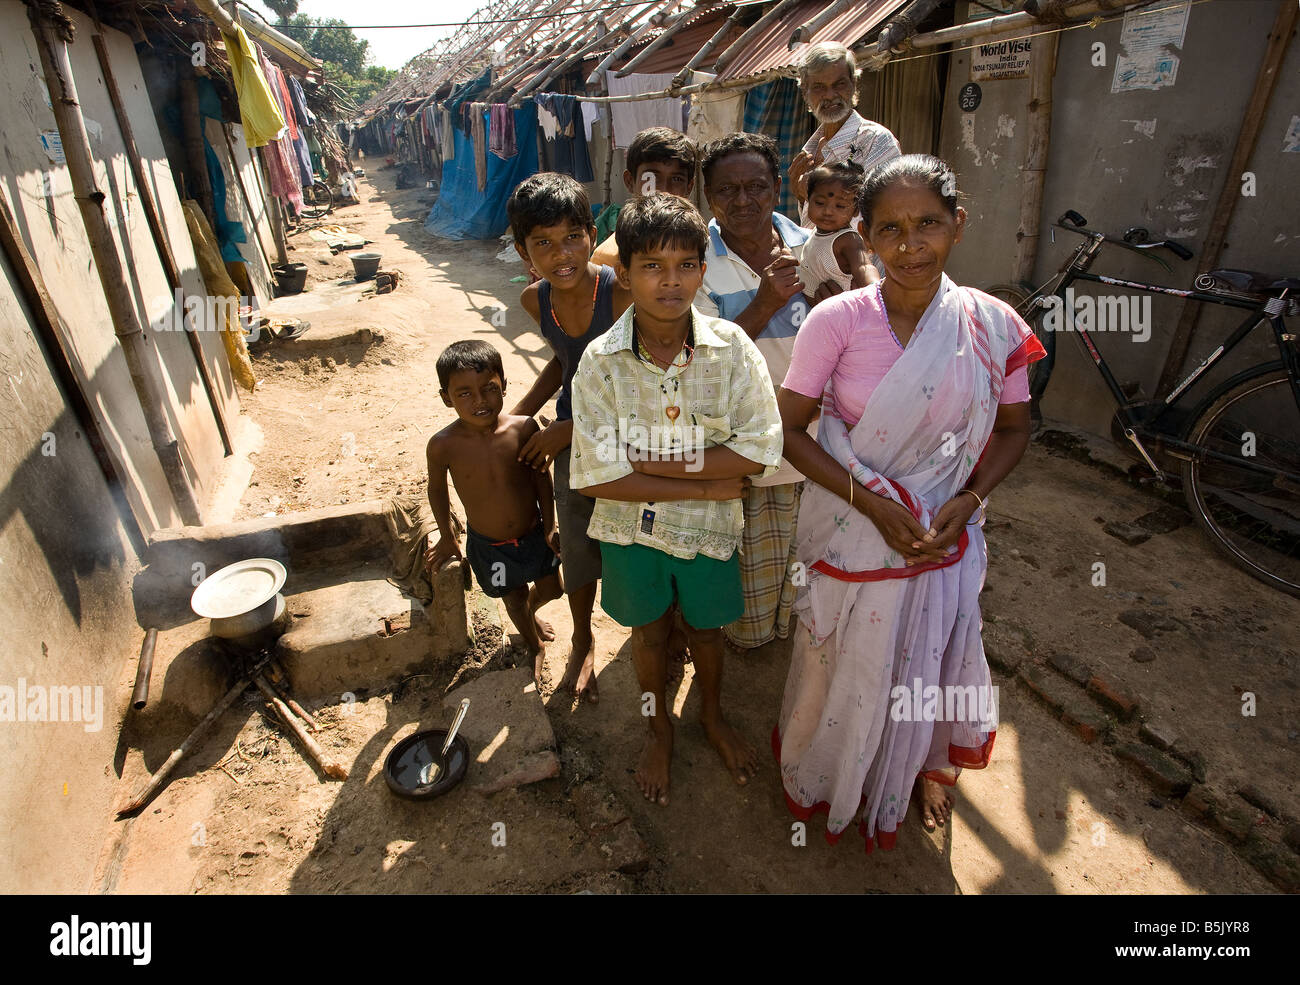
x: 1072, y: 222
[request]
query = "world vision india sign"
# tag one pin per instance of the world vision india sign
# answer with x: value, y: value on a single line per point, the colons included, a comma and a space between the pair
x: 1000, y: 60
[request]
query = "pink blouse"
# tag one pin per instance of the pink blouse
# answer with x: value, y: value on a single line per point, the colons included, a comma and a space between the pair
x: 847, y: 340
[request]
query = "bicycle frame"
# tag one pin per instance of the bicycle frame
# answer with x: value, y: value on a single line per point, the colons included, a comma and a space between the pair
x: 1270, y: 310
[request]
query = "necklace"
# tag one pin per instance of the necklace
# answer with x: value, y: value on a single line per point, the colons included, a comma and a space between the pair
x: 556, y: 318
x: 672, y: 411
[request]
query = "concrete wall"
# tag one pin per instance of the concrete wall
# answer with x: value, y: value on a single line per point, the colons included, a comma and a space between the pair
x: 1154, y: 158
x: 65, y: 562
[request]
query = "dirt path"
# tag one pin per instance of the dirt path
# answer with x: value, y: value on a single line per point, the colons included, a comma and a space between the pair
x: 347, y: 421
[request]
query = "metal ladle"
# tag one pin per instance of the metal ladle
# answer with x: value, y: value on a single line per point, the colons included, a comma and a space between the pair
x: 429, y: 773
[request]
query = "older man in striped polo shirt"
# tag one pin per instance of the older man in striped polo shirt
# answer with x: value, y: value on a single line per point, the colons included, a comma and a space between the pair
x: 751, y: 278
x: 828, y: 78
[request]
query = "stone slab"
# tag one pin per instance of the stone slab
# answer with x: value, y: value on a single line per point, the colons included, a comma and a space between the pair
x: 354, y: 636
x: 509, y: 735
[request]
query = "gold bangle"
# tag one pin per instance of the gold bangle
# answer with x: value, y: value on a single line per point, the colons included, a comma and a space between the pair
x: 850, y: 488
x: 983, y: 502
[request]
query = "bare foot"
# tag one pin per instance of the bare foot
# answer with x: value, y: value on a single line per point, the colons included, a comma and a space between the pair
x: 652, y: 769
x: 580, y: 674
x: 737, y: 754
x: 539, y: 664
x: 544, y: 629
x: 935, y: 801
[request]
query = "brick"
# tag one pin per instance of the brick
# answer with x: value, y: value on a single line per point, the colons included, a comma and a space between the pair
x: 1089, y: 723
x: 1164, y: 520
x: 1159, y: 734
x: 1193, y: 760
x: 1071, y: 666
x: 1112, y: 697
x: 1050, y: 691
x: 1201, y: 802
x: 1277, y: 865
x: 1291, y: 836
x: 1127, y: 532
x: 1002, y: 658
x: 1235, y: 822
x: 1167, y: 776
x: 1258, y: 798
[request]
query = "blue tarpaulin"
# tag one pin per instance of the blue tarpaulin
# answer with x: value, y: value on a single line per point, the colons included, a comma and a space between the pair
x: 464, y: 212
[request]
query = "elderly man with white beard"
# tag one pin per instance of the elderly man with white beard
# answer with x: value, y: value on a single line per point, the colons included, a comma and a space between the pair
x: 828, y: 80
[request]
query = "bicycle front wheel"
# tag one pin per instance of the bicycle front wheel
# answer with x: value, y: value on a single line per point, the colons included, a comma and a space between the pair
x: 1242, y: 482
x: 1023, y: 300
x: 317, y: 200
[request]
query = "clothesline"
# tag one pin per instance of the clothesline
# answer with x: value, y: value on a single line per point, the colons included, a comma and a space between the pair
x: 748, y: 82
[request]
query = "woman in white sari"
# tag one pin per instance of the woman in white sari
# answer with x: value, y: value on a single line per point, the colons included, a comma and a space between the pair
x: 923, y: 392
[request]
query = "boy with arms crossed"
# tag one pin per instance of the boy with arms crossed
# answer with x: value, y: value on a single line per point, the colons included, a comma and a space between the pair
x: 673, y: 411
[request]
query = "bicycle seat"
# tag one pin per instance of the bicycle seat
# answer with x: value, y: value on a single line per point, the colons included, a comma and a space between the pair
x: 1254, y: 282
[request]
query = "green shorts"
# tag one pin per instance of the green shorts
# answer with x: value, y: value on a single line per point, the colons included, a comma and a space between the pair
x: 638, y: 584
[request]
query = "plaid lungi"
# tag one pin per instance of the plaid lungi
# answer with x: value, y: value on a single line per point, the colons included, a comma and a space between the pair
x: 777, y: 109
x: 766, y: 565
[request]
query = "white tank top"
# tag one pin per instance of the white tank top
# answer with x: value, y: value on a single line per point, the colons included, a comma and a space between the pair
x: 819, y: 265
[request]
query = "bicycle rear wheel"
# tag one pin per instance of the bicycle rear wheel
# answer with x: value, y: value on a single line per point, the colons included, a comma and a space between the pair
x: 317, y: 200
x: 1251, y: 513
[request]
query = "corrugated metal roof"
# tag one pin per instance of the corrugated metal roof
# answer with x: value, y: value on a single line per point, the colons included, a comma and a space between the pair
x: 677, y: 51
x: 770, y: 49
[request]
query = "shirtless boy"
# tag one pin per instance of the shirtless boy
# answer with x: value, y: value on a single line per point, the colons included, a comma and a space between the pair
x: 510, y: 508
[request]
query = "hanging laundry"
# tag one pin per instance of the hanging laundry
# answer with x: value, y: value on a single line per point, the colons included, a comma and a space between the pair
x: 716, y: 113
x: 546, y: 121
x: 501, y: 131
x: 280, y: 156
x: 567, y: 151
x: 478, y: 133
x: 448, y: 137
x: 262, y: 119
x: 633, y: 117
x: 593, y: 115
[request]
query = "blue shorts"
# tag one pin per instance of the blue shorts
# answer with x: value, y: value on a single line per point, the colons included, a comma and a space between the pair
x: 501, y: 567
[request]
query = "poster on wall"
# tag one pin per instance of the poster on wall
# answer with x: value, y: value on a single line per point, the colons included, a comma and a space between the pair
x: 1000, y: 60
x: 1147, y: 42
x: 991, y: 8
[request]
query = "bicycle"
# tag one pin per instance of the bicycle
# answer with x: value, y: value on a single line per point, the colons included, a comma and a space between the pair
x: 317, y: 200
x: 1239, y: 448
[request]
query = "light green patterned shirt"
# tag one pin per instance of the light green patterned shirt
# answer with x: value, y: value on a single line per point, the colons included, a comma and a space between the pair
x: 620, y: 404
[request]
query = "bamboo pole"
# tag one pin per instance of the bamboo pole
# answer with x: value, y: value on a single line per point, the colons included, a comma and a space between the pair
x: 324, y: 760
x: 151, y: 785
x: 735, y: 48
x: 1279, y: 40
x: 806, y: 30
x: 1034, y: 171
x: 670, y: 28
x: 156, y: 230
x: 707, y: 48
x: 597, y: 75
x: 51, y: 43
